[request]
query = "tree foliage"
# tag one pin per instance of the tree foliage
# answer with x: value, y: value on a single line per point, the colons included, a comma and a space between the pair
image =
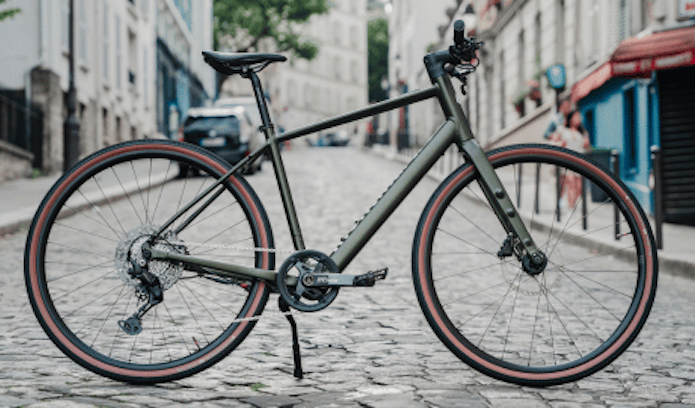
x: 7, y: 13
x: 378, y: 57
x: 244, y: 24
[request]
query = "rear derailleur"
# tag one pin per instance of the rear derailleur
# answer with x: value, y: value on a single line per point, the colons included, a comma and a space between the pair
x: 150, y: 291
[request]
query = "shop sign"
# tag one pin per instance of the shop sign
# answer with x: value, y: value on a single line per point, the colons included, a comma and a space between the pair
x: 686, y: 8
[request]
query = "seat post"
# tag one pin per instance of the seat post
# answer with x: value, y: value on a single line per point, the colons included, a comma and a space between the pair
x: 260, y: 99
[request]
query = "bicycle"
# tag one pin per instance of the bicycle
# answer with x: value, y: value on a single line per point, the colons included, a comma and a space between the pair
x: 166, y: 275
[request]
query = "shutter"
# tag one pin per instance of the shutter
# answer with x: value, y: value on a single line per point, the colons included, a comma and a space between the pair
x: 676, y: 90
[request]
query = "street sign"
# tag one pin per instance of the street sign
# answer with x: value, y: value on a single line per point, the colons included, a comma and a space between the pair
x: 556, y: 76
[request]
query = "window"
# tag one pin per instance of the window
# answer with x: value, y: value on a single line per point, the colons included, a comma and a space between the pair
x: 132, y: 59
x: 503, y: 101
x: 145, y: 78
x: 65, y: 24
x: 82, y: 29
x: 560, y: 32
x: 119, y: 53
x: 630, y: 132
x: 354, y: 73
x: 594, y: 31
x: 106, y: 40
x: 338, y: 68
x: 521, y: 74
x: 354, y: 38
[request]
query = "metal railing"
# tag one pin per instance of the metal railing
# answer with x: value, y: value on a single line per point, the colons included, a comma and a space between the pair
x: 21, y: 127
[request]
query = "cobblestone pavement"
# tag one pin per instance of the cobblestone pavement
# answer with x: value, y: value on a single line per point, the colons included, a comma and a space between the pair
x: 372, y: 347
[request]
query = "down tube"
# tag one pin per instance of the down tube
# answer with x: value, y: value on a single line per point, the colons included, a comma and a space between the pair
x: 394, y: 195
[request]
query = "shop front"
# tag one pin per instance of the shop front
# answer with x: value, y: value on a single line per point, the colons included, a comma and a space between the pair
x: 642, y: 97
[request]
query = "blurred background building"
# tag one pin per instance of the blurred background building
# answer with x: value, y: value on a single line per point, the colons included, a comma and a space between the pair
x: 335, y: 81
x: 628, y: 67
x: 134, y: 64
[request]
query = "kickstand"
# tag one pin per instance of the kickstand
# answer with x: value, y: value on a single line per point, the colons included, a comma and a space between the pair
x: 284, y: 307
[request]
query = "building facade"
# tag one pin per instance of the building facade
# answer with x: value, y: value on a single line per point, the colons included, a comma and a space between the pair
x: 335, y: 81
x: 628, y: 69
x: 136, y: 61
x: 184, y: 30
x: 639, y: 95
x: 114, y: 71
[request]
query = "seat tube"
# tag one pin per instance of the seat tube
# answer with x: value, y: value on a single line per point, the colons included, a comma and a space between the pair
x: 278, y: 166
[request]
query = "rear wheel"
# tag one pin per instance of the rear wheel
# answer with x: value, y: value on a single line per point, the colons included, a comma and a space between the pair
x: 87, y: 237
x: 566, y: 322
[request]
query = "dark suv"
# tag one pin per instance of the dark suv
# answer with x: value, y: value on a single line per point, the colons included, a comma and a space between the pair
x: 225, y: 131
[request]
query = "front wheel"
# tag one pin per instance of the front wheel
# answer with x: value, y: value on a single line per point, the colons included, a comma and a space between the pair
x: 538, y: 329
x: 86, y: 241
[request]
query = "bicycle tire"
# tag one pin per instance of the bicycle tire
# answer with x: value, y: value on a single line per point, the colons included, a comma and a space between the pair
x: 566, y: 323
x: 104, y: 206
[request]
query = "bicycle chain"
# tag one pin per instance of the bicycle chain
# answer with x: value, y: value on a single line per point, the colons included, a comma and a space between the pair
x: 233, y: 247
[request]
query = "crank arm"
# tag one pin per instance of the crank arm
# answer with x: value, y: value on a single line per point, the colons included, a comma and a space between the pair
x: 324, y: 280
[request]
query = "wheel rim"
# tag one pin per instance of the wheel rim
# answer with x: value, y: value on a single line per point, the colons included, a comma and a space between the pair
x: 489, y: 332
x: 196, y: 322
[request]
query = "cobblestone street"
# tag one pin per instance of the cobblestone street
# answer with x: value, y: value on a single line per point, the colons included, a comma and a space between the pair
x: 371, y: 348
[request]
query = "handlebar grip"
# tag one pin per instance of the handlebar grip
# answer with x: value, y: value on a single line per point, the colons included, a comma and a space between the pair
x: 459, y: 33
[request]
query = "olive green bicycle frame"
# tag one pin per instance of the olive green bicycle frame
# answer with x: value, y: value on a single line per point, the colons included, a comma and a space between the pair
x: 455, y: 130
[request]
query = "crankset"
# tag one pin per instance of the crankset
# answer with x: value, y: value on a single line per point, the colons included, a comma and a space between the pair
x: 318, y: 279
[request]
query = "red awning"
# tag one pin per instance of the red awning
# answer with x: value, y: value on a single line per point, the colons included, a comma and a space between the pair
x: 638, y: 57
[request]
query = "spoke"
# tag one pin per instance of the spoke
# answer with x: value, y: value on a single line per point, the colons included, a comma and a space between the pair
x: 193, y: 314
x: 468, y: 271
x: 85, y: 285
x: 118, y: 332
x: 564, y: 270
x: 559, y: 319
x: 466, y: 242
x: 552, y: 224
x: 96, y: 210
x: 84, y: 232
x: 166, y: 177
x: 592, y: 297
x: 107, y: 316
x: 195, y: 295
x: 176, y: 326
x: 142, y: 196
x: 89, y: 267
x: 496, y: 311
x: 573, y: 314
x: 161, y: 327
x: 511, y: 318
x: 535, y: 322
x: 474, y: 224
x: 126, y: 194
x: 214, y: 213
x: 109, y: 204
x: 84, y: 214
x: 95, y: 299
x: 484, y: 309
x: 600, y: 255
x: 470, y: 295
x: 79, y: 250
x: 574, y: 209
x: 550, y: 322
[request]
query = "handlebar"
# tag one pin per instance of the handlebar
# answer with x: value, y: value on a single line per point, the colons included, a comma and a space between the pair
x: 463, y: 49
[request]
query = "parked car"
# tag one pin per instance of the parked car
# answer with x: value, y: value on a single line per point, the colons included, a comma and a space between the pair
x: 229, y: 132
x: 339, y: 138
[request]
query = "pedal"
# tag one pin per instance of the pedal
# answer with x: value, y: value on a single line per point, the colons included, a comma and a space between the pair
x: 370, y: 278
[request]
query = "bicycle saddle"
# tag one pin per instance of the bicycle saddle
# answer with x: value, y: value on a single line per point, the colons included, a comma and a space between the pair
x: 232, y: 63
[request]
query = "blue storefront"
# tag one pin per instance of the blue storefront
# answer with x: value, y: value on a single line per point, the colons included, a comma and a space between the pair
x: 642, y: 98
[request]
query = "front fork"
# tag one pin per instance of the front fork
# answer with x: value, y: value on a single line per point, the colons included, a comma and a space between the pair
x: 501, y: 204
x: 533, y: 259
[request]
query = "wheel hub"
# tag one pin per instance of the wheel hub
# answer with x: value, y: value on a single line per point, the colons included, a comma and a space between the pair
x: 129, y: 251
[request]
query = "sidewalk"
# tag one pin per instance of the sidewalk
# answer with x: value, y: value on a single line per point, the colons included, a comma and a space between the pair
x: 19, y: 199
x: 677, y: 257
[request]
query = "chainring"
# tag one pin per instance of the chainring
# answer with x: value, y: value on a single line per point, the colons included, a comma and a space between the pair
x: 299, y: 265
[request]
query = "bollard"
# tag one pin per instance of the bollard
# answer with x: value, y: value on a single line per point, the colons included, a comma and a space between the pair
x: 558, y: 189
x: 536, y: 205
x: 585, y: 218
x: 658, y: 196
x: 615, y: 160
x: 518, y: 186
